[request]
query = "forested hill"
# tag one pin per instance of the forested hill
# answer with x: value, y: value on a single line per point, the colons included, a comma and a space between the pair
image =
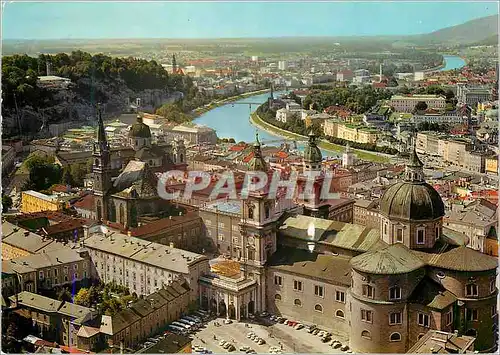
x: 95, y: 78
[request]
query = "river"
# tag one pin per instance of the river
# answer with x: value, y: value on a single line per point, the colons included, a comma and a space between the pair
x: 232, y: 119
x: 453, y: 62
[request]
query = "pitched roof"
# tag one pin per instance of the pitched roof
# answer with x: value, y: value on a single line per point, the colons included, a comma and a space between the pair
x: 334, y: 269
x: 432, y: 294
x: 36, y: 301
x: 393, y: 259
x: 460, y: 258
x: 442, y: 343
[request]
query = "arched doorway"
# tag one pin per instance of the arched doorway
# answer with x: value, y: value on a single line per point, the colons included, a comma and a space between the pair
x: 213, y: 306
x: 243, y: 311
x: 204, y: 302
x: 251, y: 307
x: 232, y: 311
x: 222, y: 309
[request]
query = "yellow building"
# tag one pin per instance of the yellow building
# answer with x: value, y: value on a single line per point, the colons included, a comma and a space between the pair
x: 33, y: 201
x: 492, y: 164
x: 357, y: 133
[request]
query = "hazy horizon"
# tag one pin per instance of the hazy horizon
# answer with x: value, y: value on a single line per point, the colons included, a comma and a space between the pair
x: 24, y: 21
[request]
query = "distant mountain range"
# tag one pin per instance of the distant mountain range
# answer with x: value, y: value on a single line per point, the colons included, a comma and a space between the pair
x: 479, y: 31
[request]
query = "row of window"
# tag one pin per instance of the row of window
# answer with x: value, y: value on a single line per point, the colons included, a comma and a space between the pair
x: 318, y: 308
x: 318, y: 290
x: 394, y: 292
x: 393, y: 337
x: 48, y: 274
x: 420, y: 237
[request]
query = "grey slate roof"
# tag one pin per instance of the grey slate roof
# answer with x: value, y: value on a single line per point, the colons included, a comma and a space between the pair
x: 333, y: 269
x: 393, y: 259
x: 460, y: 258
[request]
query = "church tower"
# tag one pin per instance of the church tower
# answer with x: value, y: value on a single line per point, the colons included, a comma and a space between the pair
x: 258, y: 231
x: 101, y: 170
x: 314, y: 205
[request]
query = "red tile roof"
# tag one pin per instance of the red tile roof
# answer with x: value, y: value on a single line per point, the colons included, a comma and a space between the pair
x: 86, y: 202
x: 163, y: 224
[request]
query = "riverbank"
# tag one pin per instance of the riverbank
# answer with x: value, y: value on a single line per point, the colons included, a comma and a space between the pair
x: 323, y: 144
x: 204, y: 109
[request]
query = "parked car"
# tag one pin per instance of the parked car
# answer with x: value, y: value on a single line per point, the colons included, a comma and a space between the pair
x: 231, y: 348
x: 264, y: 314
x: 337, y: 345
x: 228, y: 321
x: 249, y: 335
x: 344, y: 348
x: 261, y: 341
x: 299, y: 326
x: 222, y: 343
x: 182, y: 325
x: 192, y: 319
x: 244, y: 348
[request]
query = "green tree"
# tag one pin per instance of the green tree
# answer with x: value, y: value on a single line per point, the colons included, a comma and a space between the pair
x: 6, y: 203
x: 67, y: 178
x: 82, y: 298
x: 420, y: 106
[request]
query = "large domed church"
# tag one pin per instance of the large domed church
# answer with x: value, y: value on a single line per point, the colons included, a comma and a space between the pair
x: 383, y: 289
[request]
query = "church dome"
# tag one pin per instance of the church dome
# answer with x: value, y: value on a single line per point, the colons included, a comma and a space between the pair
x: 139, y: 129
x: 412, y: 201
x: 311, y: 151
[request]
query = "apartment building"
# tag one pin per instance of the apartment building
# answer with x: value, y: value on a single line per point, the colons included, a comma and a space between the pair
x: 407, y: 103
x: 47, y: 270
x: 142, y: 266
x: 33, y: 201
x: 472, y: 95
x: 477, y: 221
x: 144, y: 317
x: 18, y: 242
x: 365, y: 213
x: 491, y: 164
x: 357, y: 133
x: 455, y: 150
x: 330, y: 128
x: 57, y: 321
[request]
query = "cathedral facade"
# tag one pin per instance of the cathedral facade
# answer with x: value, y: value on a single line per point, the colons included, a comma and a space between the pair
x: 133, y: 193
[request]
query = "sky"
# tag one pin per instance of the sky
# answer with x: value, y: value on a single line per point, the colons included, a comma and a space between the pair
x: 100, y: 20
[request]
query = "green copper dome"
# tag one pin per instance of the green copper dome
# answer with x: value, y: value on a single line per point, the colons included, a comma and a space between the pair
x: 311, y: 151
x: 412, y: 201
x: 139, y: 129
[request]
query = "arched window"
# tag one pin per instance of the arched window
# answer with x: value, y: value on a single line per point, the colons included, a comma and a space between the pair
x: 97, y: 162
x: 366, y: 334
x: 318, y: 308
x: 395, y: 337
x: 277, y: 297
x: 250, y: 212
x: 297, y: 302
x: 267, y: 210
x: 181, y: 158
x: 340, y: 313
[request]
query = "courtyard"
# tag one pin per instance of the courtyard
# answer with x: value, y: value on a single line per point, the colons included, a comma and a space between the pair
x: 279, y: 336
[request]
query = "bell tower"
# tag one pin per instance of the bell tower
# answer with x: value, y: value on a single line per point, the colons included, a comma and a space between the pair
x: 310, y: 183
x: 101, y: 170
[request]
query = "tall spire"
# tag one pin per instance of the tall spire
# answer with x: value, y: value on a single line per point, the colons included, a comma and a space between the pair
x: 174, y: 64
x: 101, y: 132
x: 257, y: 163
